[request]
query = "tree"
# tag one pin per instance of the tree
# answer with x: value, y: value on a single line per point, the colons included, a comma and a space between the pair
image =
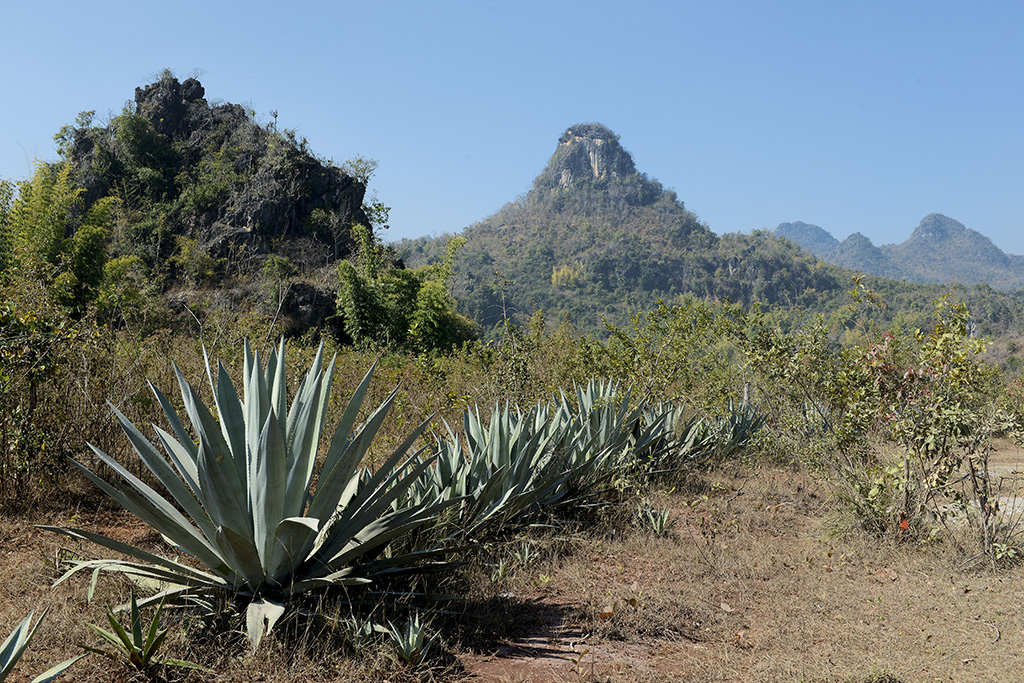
x: 388, y: 306
x: 46, y: 232
x: 362, y: 169
x: 6, y: 237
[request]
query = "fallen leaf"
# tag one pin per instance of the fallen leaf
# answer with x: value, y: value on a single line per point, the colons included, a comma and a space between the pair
x: 726, y: 608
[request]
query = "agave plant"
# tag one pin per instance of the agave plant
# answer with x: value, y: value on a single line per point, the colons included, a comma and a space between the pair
x: 679, y: 440
x: 502, y: 470
x: 598, y: 435
x: 411, y: 644
x: 559, y: 453
x: 139, y: 644
x: 16, y: 643
x: 735, y: 430
x: 243, y: 502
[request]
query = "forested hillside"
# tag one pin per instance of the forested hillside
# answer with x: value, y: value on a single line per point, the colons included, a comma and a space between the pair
x: 940, y: 250
x: 595, y: 239
x: 178, y: 206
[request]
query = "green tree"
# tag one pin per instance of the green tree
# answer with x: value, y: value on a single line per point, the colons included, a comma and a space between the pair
x: 6, y: 236
x: 51, y: 237
x: 42, y: 215
x: 362, y: 169
x: 388, y: 306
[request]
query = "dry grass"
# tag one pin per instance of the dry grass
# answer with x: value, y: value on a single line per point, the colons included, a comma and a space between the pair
x: 750, y: 587
x: 750, y: 584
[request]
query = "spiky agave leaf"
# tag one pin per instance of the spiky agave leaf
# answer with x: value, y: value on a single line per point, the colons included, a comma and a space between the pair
x: 241, y: 485
x: 17, y: 642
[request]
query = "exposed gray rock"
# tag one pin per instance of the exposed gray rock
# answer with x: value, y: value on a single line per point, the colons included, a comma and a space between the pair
x: 591, y: 150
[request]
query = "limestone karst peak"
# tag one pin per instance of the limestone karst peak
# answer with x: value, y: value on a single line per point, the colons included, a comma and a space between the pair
x: 590, y: 150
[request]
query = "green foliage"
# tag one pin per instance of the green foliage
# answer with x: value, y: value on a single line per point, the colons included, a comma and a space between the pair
x: 196, y: 264
x: 42, y: 215
x: 6, y: 228
x: 145, y: 156
x: 684, y: 350
x: 50, y: 239
x: 32, y: 351
x: 125, y: 279
x: 386, y: 306
x: 139, y: 644
x: 362, y: 169
x: 934, y: 399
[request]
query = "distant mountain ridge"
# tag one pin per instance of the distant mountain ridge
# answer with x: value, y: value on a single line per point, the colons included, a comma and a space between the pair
x: 939, y: 251
x: 597, y: 241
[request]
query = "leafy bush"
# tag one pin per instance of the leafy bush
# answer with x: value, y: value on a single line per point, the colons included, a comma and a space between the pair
x: 390, y: 307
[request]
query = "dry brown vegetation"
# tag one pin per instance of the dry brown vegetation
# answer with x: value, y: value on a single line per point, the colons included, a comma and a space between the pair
x: 757, y: 579
x: 763, y: 574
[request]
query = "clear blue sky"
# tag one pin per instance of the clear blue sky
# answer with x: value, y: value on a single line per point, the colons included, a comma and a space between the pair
x: 856, y: 116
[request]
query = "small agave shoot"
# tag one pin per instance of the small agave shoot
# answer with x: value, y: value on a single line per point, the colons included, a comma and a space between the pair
x: 411, y: 644
x: 243, y: 503
x: 139, y: 644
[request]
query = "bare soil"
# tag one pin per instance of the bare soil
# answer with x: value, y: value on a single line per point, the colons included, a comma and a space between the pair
x: 762, y: 579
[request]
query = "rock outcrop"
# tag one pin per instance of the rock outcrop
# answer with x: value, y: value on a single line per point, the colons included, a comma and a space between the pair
x: 589, y: 150
x: 218, y: 177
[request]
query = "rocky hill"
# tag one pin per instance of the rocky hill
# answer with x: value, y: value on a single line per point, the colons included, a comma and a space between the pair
x: 940, y: 250
x: 597, y: 239
x: 179, y: 203
x: 210, y: 173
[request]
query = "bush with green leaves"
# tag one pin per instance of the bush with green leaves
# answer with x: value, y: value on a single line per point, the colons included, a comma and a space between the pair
x: 935, y: 399
x: 47, y: 234
x: 386, y: 306
x: 34, y: 351
x: 683, y: 350
x: 242, y: 502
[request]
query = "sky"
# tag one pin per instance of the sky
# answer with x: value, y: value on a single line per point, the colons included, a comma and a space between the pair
x: 857, y: 116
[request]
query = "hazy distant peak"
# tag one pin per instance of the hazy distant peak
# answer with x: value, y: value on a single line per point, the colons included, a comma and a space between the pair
x: 811, y: 237
x: 858, y: 238
x: 937, y: 228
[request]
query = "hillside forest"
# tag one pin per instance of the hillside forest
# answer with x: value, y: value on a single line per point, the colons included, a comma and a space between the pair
x: 292, y: 451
